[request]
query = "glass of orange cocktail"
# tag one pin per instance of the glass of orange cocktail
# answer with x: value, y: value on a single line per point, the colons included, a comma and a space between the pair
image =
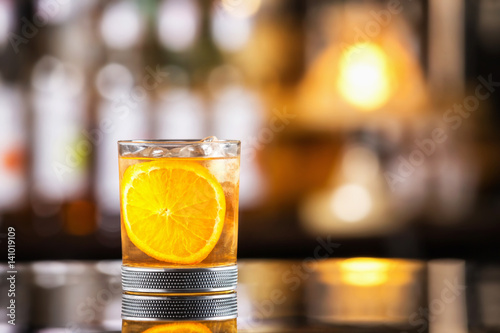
x: 179, y: 214
x: 208, y: 313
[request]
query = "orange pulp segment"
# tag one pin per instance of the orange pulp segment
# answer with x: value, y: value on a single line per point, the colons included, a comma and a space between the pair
x: 172, y: 210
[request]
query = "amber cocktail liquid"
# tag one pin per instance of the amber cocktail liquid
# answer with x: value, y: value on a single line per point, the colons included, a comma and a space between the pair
x: 179, y: 215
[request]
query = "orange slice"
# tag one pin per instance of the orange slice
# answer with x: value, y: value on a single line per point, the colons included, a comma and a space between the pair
x: 172, y: 210
x: 179, y: 328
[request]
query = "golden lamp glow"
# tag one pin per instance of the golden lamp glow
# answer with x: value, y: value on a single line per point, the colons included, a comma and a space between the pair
x: 365, y: 272
x: 364, y: 78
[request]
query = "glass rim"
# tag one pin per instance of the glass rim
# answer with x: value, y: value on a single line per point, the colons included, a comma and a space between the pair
x: 177, y: 142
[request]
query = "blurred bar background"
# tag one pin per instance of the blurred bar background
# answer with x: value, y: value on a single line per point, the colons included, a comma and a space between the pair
x: 354, y: 115
x: 370, y: 124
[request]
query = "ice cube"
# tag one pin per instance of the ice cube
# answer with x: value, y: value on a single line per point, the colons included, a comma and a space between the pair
x: 176, y: 151
x: 213, y: 147
x: 146, y: 152
x: 191, y: 151
x: 210, y: 139
x: 161, y: 152
x: 132, y: 150
x: 154, y: 152
x: 207, y: 148
x: 231, y: 150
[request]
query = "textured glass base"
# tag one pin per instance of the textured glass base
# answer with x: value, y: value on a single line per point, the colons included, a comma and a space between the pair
x: 182, y: 280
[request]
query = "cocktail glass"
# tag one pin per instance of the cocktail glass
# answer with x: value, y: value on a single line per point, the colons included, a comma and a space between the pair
x: 179, y: 214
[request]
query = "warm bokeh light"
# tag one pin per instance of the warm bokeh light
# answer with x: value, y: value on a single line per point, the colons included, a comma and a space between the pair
x: 239, y: 8
x: 178, y: 24
x: 62, y: 12
x: 114, y: 80
x: 53, y: 76
x: 363, y: 78
x: 364, y: 272
x: 351, y: 202
x: 121, y: 25
x: 230, y: 33
x: 180, y: 113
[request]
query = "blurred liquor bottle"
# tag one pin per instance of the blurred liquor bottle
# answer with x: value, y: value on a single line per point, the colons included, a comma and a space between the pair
x: 63, y: 210
x: 13, y: 144
x: 13, y: 128
x: 180, y: 111
x: 121, y: 115
x: 122, y: 85
x: 261, y: 46
x: 61, y: 152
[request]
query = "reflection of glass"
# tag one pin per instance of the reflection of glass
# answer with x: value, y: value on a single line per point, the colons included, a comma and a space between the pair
x: 202, y: 313
x: 222, y: 326
x: 179, y: 210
